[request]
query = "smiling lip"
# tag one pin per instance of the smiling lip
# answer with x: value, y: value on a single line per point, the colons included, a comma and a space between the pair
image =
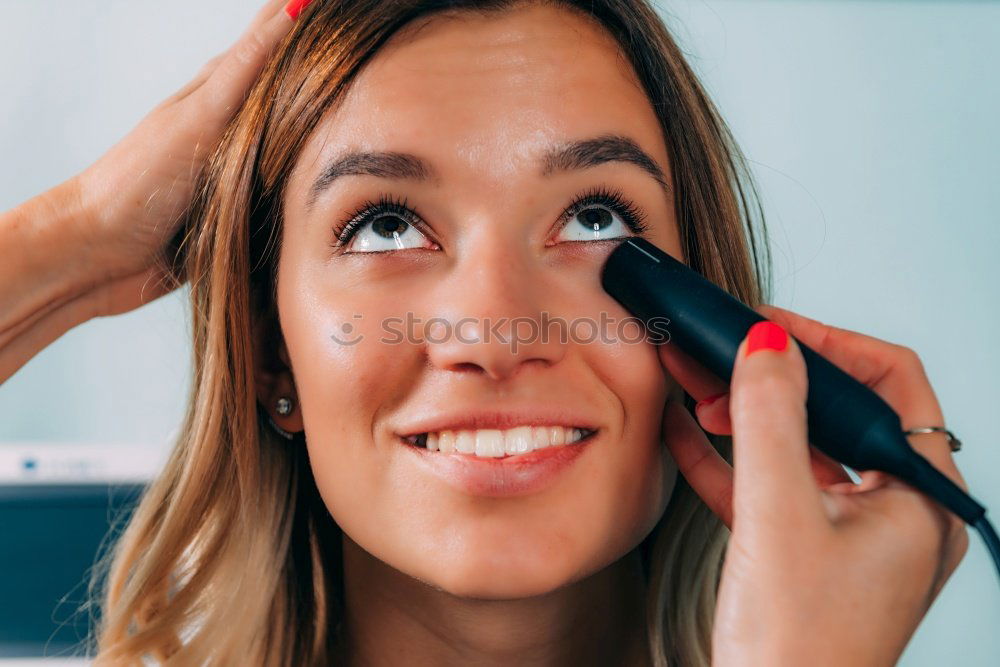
x: 499, y: 419
x: 517, y: 475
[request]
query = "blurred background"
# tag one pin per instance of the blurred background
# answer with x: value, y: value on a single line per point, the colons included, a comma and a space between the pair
x: 871, y: 128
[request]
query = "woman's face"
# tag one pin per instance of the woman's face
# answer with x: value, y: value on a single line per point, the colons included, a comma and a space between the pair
x: 480, y: 234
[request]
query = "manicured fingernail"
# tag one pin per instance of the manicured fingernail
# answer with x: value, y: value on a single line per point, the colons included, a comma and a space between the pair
x: 766, y: 335
x: 708, y: 400
x: 295, y: 7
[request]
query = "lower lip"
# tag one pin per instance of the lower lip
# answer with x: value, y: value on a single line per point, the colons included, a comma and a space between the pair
x: 501, y: 477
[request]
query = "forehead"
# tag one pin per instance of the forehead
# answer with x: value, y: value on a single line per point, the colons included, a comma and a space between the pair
x: 483, y: 96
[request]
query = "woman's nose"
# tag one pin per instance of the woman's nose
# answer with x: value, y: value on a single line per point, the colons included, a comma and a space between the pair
x: 493, y: 315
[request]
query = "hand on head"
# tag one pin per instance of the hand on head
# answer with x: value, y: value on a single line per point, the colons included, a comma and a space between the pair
x: 134, y: 197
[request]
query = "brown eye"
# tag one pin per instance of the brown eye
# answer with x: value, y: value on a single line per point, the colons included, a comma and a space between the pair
x: 388, y: 225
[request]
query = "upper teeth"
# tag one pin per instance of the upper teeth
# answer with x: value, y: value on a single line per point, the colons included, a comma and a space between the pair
x: 496, y: 442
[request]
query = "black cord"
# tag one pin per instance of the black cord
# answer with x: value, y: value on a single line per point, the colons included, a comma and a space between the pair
x: 989, y: 535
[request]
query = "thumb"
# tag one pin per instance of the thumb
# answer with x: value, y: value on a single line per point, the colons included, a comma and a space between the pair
x: 772, y: 474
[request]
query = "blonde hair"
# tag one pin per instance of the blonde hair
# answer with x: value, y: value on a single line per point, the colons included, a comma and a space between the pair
x: 231, y: 556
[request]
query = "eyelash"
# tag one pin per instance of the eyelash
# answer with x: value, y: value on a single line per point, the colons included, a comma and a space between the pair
x: 632, y: 215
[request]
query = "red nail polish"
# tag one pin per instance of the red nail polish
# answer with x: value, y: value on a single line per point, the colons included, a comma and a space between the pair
x: 295, y: 7
x: 708, y: 400
x: 766, y: 335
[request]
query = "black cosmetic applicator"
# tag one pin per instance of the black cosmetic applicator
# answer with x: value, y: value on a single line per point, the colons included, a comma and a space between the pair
x: 847, y: 421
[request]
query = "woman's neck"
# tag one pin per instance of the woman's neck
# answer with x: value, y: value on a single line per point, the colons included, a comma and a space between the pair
x: 392, y: 618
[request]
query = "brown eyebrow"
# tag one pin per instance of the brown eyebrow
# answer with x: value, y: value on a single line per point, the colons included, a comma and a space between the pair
x: 573, y: 155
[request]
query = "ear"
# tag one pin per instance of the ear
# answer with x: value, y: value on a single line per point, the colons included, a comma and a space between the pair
x: 273, y: 378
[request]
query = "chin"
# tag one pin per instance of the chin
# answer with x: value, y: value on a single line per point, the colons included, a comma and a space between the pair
x: 505, y: 570
x: 506, y: 583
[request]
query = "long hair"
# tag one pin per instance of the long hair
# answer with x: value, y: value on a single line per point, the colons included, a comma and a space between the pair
x: 231, y: 557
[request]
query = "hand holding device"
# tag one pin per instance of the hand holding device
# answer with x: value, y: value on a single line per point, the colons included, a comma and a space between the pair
x: 846, y: 420
x: 861, y: 562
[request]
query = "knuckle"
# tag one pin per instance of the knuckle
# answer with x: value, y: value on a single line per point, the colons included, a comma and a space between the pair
x: 200, y: 113
x: 959, y: 542
x: 826, y: 340
x: 772, y: 381
x: 187, y: 111
x: 209, y: 67
x: 765, y: 309
x: 249, y: 49
x: 953, y: 550
x: 908, y: 357
x: 168, y: 102
x: 946, y: 537
x: 722, y: 499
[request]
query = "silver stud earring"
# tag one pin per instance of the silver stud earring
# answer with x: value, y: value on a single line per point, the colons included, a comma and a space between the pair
x: 283, y: 406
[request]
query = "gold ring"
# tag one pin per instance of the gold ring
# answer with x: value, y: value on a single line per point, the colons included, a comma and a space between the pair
x: 953, y: 442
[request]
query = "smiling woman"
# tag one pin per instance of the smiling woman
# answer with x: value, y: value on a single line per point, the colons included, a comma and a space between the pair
x: 451, y: 502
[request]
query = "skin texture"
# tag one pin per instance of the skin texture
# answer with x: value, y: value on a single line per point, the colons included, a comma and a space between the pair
x: 515, y: 580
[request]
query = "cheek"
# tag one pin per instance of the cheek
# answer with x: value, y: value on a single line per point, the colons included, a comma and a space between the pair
x: 345, y: 379
x: 640, y: 474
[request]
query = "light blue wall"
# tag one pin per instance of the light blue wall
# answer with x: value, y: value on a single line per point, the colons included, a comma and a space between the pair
x: 871, y: 127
